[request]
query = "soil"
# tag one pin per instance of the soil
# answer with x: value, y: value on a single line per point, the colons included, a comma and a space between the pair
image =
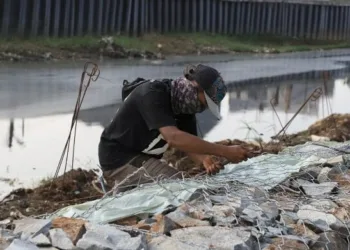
x: 335, y: 127
x: 76, y: 186
x: 72, y: 188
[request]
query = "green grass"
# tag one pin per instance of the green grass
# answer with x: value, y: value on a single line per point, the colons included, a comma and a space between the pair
x: 173, y: 43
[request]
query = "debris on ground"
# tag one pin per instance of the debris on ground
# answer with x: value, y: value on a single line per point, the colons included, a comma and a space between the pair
x: 257, y: 220
x: 72, y: 188
x: 335, y: 127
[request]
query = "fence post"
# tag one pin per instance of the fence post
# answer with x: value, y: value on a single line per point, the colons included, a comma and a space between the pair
x: 72, y: 19
x: 57, y: 17
x: 106, y: 11
x: 166, y: 15
x: 6, y: 17
x: 47, y: 17
x: 128, y: 19
x: 67, y: 17
x: 22, y: 17
x: 173, y: 14
x: 143, y: 19
x: 81, y: 17
x: 136, y: 18
x: 213, y: 20
x: 121, y: 11
x: 113, y: 18
x: 100, y: 17
x: 201, y: 15
x: 226, y: 17
x: 91, y: 16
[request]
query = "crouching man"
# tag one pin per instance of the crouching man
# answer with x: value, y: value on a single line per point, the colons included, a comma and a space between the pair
x: 159, y: 114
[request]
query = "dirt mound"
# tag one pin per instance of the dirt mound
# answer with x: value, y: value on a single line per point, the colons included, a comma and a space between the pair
x: 335, y: 127
x: 72, y: 188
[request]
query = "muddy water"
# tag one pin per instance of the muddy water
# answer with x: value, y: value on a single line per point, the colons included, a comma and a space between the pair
x: 36, y: 102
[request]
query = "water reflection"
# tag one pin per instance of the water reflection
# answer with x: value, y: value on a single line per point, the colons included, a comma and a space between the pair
x: 248, y: 110
x: 32, y: 147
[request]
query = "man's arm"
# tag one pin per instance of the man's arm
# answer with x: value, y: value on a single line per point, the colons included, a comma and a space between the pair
x: 197, y: 158
x: 190, y: 143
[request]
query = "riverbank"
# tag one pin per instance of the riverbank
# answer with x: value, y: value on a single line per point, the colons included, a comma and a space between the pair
x: 152, y: 46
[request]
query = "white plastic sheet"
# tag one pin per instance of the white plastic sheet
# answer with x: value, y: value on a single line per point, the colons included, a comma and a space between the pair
x: 265, y: 171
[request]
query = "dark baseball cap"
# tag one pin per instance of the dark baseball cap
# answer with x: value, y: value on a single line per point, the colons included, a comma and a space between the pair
x: 210, y: 80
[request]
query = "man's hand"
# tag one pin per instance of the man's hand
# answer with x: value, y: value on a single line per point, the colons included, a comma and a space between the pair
x: 212, y: 165
x: 235, y: 154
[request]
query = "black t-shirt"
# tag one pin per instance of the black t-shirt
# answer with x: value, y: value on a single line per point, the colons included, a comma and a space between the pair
x: 135, y: 127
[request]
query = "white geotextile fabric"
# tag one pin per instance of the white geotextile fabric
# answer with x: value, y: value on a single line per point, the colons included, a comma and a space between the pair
x: 265, y: 171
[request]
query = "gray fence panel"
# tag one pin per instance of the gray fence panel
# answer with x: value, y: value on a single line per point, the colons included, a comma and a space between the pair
x: 303, y: 19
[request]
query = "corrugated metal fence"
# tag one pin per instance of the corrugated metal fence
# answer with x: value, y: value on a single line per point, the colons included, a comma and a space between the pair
x: 135, y: 17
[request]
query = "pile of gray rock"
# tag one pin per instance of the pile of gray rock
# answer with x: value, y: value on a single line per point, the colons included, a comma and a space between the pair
x: 310, y: 210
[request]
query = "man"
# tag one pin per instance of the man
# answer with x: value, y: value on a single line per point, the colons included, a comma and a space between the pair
x: 161, y: 113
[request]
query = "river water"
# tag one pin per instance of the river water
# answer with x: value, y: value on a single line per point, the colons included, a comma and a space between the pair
x: 37, y: 100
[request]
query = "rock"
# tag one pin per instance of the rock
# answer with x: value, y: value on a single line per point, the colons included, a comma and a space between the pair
x: 303, y: 231
x: 330, y: 241
x: 105, y: 237
x: 199, y: 208
x: 163, y: 224
x: 134, y: 53
x: 323, y: 205
x: 266, y: 212
x: 309, y: 173
x: 341, y: 213
x: 314, y: 189
x: 150, y: 55
x: 145, y: 224
x: 30, y: 227
x: 169, y: 243
x: 320, y: 221
x: 270, y: 209
x: 218, y: 199
x: 181, y: 219
x: 317, y: 138
x: 130, y: 221
x: 337, y: 170
x: 287, y: 205
x: 287, y: 243
x: 74, y: 228
x: 252, y: 214
x: 5, y: 223
x: 22, y: 245
x: 40, y: 240
x: 223, y: 215
x: 247, y: 197
x: 343, y: 202
x: 337, y: 160
x: 288, y: 218
x: 323, y: 176
x: 205, y: 238
x: 272, y: 232
x: 92, y: 240
x: 4, y: 244
x: 298, y: 183
x: 60, y: 239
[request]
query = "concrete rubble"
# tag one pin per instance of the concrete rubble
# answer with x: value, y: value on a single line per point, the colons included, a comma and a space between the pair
x: 309, y: 210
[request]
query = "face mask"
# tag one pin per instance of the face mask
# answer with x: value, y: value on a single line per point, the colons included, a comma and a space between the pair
x: 184, y: 97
